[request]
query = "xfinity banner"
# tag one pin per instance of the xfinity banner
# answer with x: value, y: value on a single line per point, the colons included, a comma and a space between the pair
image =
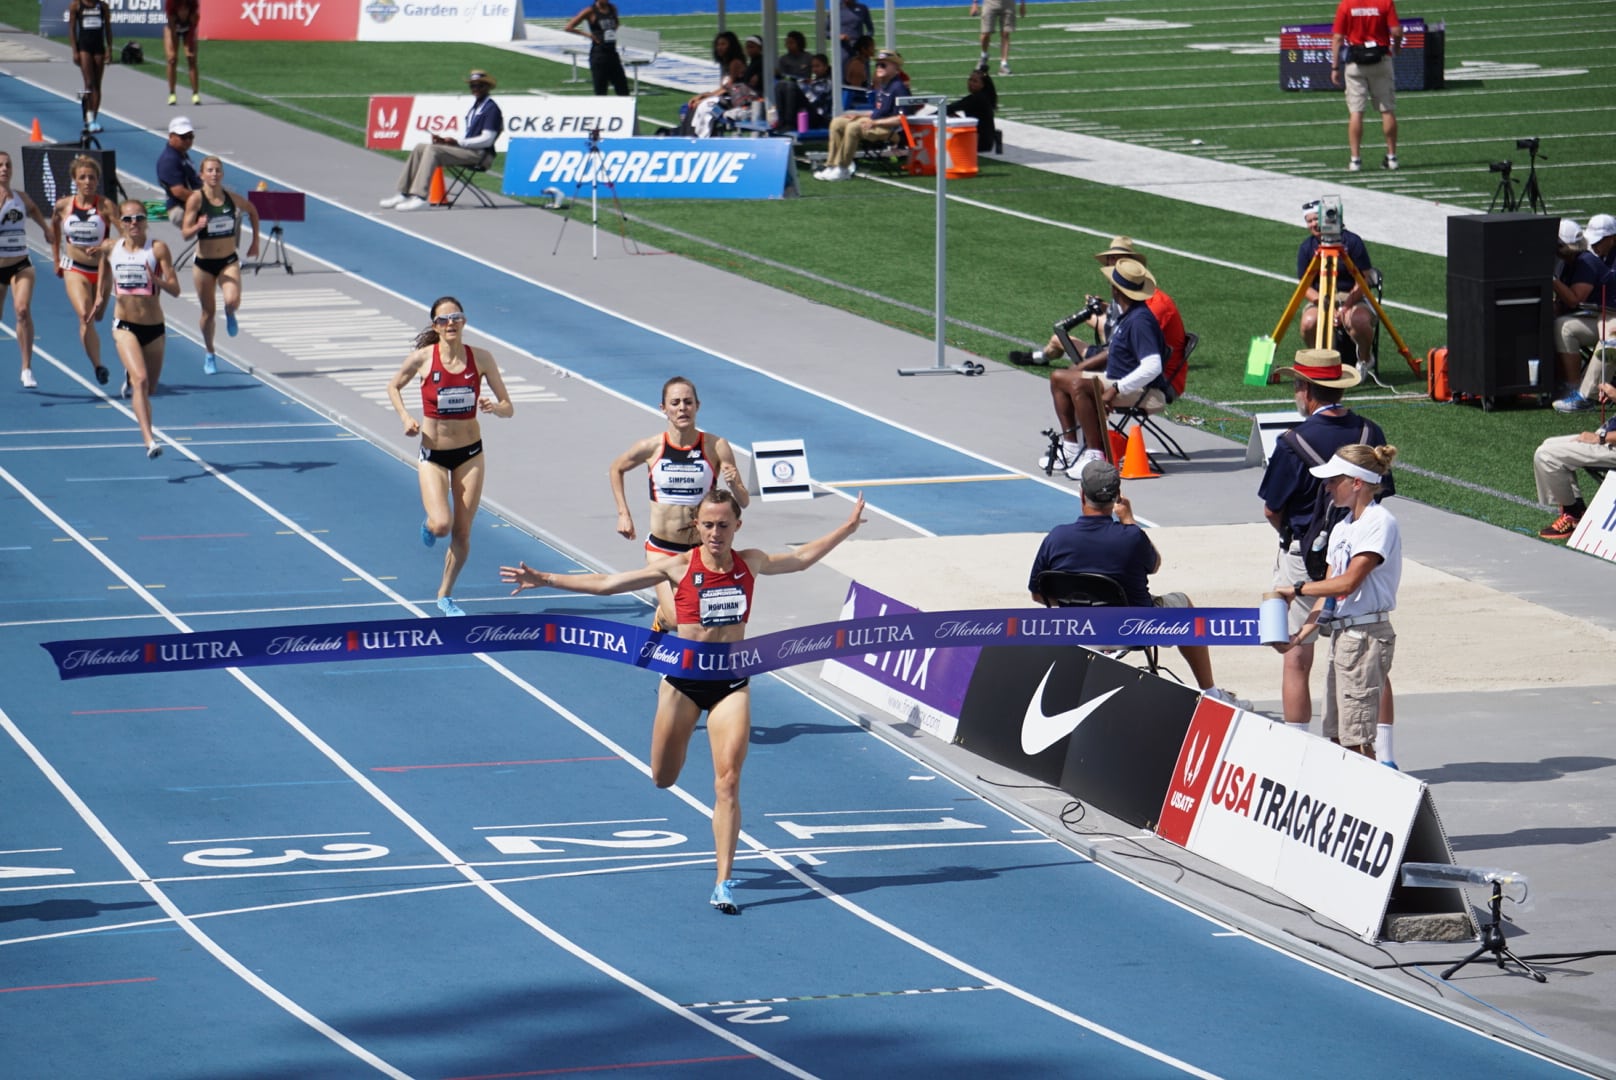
x: 361, y: 20
x: 130, y: 18
x: 661, y: 168
x: 403, y: 121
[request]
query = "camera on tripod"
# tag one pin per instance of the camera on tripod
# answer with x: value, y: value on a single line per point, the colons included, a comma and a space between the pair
x: 1501, y: 167
x: 1093, y: 306
x: 1529, y: 145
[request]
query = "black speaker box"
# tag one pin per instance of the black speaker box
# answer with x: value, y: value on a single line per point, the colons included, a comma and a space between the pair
x: 1493, y: 247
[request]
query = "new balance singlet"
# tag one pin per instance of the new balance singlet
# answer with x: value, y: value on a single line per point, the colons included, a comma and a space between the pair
x: 681, y: 475
x: 13, y: 226
x: 134, y: 273
x: 85, y: 227
x: 712, y: 598
x: 449, y: 396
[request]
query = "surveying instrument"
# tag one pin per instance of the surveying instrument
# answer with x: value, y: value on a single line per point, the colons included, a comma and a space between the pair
x: 596, y: 160
x: 1326, y: 267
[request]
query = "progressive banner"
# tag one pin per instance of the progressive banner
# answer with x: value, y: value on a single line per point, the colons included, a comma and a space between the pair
x: 638, y: 646
x: 403, y: 121
x: 660, y: 168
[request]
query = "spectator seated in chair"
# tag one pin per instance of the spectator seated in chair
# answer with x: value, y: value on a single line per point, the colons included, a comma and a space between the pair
x: 474, y: 148
x: 881, y: 124
x: 1353, y: 315
x: 731, y: 101
x: 809, y: 94
x: 1555, y: 465
x: 1068, y: 386
x: 1105, y: 540
x: 1585, y: 293
x: 981, y: 101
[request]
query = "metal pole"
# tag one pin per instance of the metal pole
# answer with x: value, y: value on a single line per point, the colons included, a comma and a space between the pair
x: 940, y: 268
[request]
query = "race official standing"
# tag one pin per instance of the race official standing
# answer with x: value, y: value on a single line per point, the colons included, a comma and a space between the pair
x: 1364, y: 38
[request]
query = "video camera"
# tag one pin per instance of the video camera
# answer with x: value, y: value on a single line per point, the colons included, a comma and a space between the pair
x: 1530, y: 145
x: 1092, y: 306
x: 1501, y: 167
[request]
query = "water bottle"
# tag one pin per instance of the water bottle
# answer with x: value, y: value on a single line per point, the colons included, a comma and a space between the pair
x: 802, y: 121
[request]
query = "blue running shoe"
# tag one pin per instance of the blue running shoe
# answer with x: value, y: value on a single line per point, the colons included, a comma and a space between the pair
x: 426, y: 535
x: 723, y: 900
x: 447, y: 605
x: 1392, y: 765
x: 210, y: 364
x: 230, y: 325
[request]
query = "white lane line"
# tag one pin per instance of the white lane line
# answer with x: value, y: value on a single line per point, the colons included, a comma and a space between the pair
x: 185, y: 923
x: 290, y: 836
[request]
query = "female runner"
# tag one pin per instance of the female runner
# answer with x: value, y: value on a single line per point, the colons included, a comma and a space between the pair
x: 214, y: 213
x: 137, y: 267
x: 86, y: 228
x: 451, y: 467
x: 89, y: 29
x: 685, y: 464
x: 16, y: 270
x: 1366, y: 567
x: 714, y: 600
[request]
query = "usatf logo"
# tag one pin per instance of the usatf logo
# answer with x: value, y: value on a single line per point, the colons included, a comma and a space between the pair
x: 386, y: 121
x: 783, y: 470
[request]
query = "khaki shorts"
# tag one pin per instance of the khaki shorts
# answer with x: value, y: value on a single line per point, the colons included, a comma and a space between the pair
x: 1288, y: 570
x: 1360, y: 660
x: 1574, y: 333
x: 1150, y: 399
x: 996, y: 11
x: 1371, y: 82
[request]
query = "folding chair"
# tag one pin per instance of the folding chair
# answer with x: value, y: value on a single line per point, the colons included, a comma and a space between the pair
x: 1066, y: 588
x: 1123, y: 415
x: 1343, y: 341
x: 461, y: 180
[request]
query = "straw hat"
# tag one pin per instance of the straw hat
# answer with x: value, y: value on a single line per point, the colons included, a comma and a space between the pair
x: 1123, y: 246
x: 1322, y: 367
x: 1131, y: 279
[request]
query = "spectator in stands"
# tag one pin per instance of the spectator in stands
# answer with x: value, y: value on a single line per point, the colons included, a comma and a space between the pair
x: 732, y: 100
x: 857, y: 69
x: 475, y: 147
x: 1132, y: 373
x: 881, y: 123
x: 810, y: 94
x: 794, y: 63
x: 856, y: 23
x: 1353, y: 315
x: 1587, y: 298
x: 179, y: 32
x: 1555, y: 465
x: 1000, y: 13
x: 89, y: 31
x: 981, y: 101
x: 752, y: 49
x: 1365, y: 569
x: 1067, y: 384
x: 726, y: 47
x: 1367, y: 34
x: 1292, y: 497
x: 175, y: 173
x: 1098, y: 543
x: 599, y: 22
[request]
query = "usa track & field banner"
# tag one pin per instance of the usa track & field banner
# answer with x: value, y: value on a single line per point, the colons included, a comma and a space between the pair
x: 638, y: 646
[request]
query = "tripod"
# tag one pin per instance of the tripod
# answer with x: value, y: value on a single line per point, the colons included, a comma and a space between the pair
x: 1492, y: 941
x: 1532, y: 194
x: 1506, y: 189
x: 1326, y: 264
x: 597, y: 164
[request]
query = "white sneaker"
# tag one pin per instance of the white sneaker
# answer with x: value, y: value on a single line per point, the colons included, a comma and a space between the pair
x: 1083, y: 459
x: 393, y: 200
x: 1004, y: 67
x: 833, y: 174
x: 28, y: 380
x: 1354, y: 165
x: 414, y: 202
x: 850, y: 170
x: 1218, y: 693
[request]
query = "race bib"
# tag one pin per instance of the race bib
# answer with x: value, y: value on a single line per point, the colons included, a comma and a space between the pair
x: 221, y: 226
x: 723, y: 605
x: 454, y: 400
x: 84, y: 234
x: 132, y: 279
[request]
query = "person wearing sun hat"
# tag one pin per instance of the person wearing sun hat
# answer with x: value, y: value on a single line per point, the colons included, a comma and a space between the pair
x: 1365, y: 568
x: 881, y: 124
x: 1292, y: 496
x: 475, y: 146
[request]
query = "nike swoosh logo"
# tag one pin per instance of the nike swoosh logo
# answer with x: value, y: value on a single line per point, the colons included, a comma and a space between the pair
x: 1040, y: 731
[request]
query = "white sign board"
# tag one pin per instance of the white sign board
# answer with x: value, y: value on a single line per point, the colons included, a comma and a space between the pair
x: 780, y: 470
x: 1266, y: 428
x: 1596, y: 532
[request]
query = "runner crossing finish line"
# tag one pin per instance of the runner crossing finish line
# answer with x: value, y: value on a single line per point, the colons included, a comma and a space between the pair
x: 659, y: 651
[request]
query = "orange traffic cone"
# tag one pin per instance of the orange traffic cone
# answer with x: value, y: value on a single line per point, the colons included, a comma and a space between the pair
x: 436, y: 195
x: 1136, y: 462
x: 36, y: 135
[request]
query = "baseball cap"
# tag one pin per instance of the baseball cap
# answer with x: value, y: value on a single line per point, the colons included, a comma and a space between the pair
x: 1101, y: 482
x: 1599, y: 227
x: 180, y: 125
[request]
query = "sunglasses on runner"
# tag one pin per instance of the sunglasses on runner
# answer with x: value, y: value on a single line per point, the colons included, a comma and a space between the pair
x: 130, y: 219
x: 449, y: 319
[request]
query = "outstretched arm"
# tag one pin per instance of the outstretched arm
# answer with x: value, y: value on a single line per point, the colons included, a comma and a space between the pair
x: 524, y: 576
x: 789, y: 562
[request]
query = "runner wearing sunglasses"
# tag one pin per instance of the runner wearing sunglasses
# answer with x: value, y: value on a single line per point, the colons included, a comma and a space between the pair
x: 451, y: 467
x: 139, y: 269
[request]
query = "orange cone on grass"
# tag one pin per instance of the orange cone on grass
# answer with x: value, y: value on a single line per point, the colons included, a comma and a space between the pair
x: 1136, y: 461
x: 436, y: 195
x: 35, y: 135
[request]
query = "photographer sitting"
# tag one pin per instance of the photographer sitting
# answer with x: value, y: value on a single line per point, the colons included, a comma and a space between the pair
x: 1352, y: 311
x: 1066, y: 384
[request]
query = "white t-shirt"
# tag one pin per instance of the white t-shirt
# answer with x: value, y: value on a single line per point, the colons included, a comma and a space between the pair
x: 1375, y: 531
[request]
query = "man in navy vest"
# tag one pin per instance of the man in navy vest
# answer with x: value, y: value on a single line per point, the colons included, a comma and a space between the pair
x: 475, y: 147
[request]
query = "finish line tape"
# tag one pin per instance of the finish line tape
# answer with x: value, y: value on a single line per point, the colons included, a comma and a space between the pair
x: 659, y: 651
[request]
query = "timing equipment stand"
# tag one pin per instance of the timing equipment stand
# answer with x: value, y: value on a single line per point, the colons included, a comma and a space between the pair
x: 1492, y: 941
x: 1532, y: 194
x: 1506, y: 188
x: 1326, y: 265
x: 279, y: 207
x: 597, y: 164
